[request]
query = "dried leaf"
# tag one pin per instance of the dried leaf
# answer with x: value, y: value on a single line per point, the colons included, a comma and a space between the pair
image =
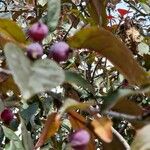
x: 50, y: 128
x: 71, y: 104
x: 7, y: 85
x: 79, y: 122
x: 128, y: 107
x: 102, y: 128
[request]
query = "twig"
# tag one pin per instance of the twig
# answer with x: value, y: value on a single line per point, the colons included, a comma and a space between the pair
x: 83, y: 8
x: 92, y: 78
x: 26, y: 10
x: 134, y: 7
x: 129, y: 117
x: 124, y: 142
x: 5, y: 71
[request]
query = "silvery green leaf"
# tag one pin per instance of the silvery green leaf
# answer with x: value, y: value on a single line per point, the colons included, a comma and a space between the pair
x: 32, y: 77
x: 1, y: 106
x: 14, y: 138
x: 26, y: 137
x: 143, y: 48
x: 146, y: 8
x: 54, y: 7
x: 10, y: 146
x: 42, y: 2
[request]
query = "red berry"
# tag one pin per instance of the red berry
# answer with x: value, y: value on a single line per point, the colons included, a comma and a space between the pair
x: 38, y: 31
x: 79, y: 139
x: 34, y: 51
x: 59, y: 51
x: 7, y: 115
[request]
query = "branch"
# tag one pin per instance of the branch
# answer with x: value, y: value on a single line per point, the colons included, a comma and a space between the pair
x: 129, y: 117
x: 124, y: 142
x: 134, y: 7
x: 5, y: 71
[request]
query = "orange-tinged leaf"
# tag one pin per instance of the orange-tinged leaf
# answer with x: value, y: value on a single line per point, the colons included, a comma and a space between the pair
x: 102, y: 128
x: 5, y: 37
x: 9, y: 84
x: 106, y: 44
x: 50, y: 128
x: 128, y: 107
x: 79, y: 122
x: 11, y: 31
x: 116, y: 144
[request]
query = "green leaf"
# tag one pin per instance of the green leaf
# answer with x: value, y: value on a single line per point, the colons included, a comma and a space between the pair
x: 11, y: 29
x: 29, y: 112
x: 74, y: 78
x: 14, y: 138
x: 143, y: 48
x: 32, y: 77
x: 26, y: 137
x: 1, y: 106
x: 146, y: 8
x: 94, y: 38
x: 10, y: 146
x: 53, y: 15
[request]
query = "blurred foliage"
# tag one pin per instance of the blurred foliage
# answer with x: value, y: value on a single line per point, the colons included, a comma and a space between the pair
x: 103, y: 87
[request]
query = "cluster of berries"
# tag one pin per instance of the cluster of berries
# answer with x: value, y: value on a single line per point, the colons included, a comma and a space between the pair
x: 58, y: 51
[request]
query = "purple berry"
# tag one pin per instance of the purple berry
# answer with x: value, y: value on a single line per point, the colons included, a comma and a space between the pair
x: 59, y: 51
x: 79, y: 139
x: 34, y: 51
x: 38, y: 31
x: 7, y: 115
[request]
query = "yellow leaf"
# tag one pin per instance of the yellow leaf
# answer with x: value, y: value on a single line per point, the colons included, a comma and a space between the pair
x: 9, y: 84
x: 102, y: 128
x: 50, y: 128
x: 106, y: 44
x: 10, y: 32
x: 71, y: 104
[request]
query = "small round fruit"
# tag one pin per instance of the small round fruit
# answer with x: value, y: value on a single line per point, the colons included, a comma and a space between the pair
x: 7, y: 115
x: 38, y: 31
x: 59, y: 51
x: 34, y: 51
x: 79, y: 139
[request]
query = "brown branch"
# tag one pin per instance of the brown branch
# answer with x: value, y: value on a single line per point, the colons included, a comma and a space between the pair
x: 129, y: 117
x: 134, y: 7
